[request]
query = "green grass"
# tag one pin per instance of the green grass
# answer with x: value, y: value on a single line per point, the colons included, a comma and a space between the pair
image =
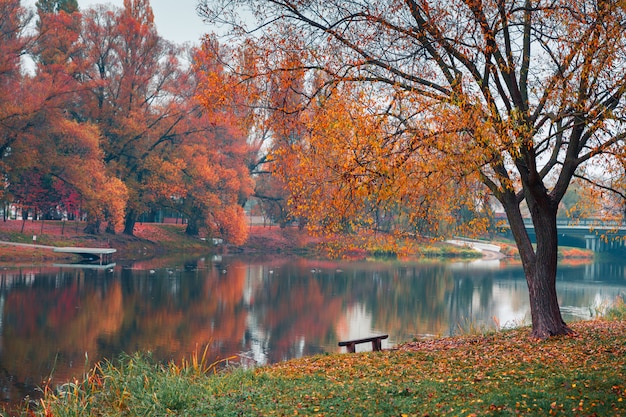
x: 449, y: 251
x: 153, y: 239
x: 499, y: 373
x: 617, y: 311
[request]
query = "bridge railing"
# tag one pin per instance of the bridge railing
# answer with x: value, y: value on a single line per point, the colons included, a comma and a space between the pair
x: 598, y: 223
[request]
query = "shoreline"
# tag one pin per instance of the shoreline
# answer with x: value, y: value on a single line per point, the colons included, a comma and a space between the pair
x: 156, y: 239
x: 490, y: 251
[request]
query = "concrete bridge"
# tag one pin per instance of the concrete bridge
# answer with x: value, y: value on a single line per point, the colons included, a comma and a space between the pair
x: 594, y: 234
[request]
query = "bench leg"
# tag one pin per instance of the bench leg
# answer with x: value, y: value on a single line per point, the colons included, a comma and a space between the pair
x: 376, y: 345
x: 351, y: 347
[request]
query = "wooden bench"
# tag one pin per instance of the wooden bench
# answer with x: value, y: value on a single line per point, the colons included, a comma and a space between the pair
x: 376, y: 342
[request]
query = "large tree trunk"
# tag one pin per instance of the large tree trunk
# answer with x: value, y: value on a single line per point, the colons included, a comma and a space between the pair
x: 129, y: 223
x: 193, y: 227
x: 544, y: 305
x: 92, y: 227
x: 541, y: 279
x: 540, y: 267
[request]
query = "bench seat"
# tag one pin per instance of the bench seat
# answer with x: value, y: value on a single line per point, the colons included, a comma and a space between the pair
x: 376, y: 343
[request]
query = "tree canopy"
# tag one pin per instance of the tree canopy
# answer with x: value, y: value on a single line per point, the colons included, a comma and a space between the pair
x: 521, y: 96
x: 108, y: 121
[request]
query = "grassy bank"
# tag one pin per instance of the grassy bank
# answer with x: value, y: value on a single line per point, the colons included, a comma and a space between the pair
x: 502, y: 373
x: 150, y: 240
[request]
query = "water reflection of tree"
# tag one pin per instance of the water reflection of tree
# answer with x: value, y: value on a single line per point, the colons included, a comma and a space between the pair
x: 59, y: 318
x: 406, y: 300
x: 50, y: 325
x: 416, y: 300
x: 183, y: 311
x: 296, y: 313
x: 303, y: 301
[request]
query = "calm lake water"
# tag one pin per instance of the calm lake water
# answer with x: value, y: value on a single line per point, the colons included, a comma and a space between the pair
x: 59, y: 320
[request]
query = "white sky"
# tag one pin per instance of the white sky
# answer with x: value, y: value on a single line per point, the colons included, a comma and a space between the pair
x: 176, y: 20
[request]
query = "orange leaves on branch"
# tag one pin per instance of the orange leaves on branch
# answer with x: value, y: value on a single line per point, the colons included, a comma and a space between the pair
x: 115, y: 196
x: 220, y: 181
x: 221, y: 92
x: 104, y: 198
x: 351, y: 169
x: 113, y: 116
x: 164, y: 176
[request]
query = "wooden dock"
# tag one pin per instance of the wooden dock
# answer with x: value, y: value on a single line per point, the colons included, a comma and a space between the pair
x: 103, y: 254
x: 83, y: 265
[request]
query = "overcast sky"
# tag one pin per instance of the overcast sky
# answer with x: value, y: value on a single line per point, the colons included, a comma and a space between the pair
x: 176, y: 20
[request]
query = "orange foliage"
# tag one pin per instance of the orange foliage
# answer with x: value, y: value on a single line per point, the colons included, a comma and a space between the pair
x: 439, y: 105
x: 343, y: 177
x: 221, y: 180
x: 231, y: 224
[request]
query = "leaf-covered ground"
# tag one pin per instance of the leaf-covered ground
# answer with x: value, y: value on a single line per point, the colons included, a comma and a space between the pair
x: 503, y: 373
x: 500, y: 374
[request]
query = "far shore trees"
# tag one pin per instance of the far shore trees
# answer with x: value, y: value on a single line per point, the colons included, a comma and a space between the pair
x: 521, y: 96
x: 44, y: 150
x: 99, y: 114
x: 159, y: 140
x: 132, y: 74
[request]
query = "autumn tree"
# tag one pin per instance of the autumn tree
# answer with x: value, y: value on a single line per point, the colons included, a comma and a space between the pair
x: 215, y: 183
x: 218, y: 174
x: 283, y: 119
x: 132, y: 75
x: 58, y: 26
x: 257, y: 102
x: 13, y: 45
x: 43, y: 147
x: 61, y: 144
x: 522, y: 96
x: 13, y: 22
